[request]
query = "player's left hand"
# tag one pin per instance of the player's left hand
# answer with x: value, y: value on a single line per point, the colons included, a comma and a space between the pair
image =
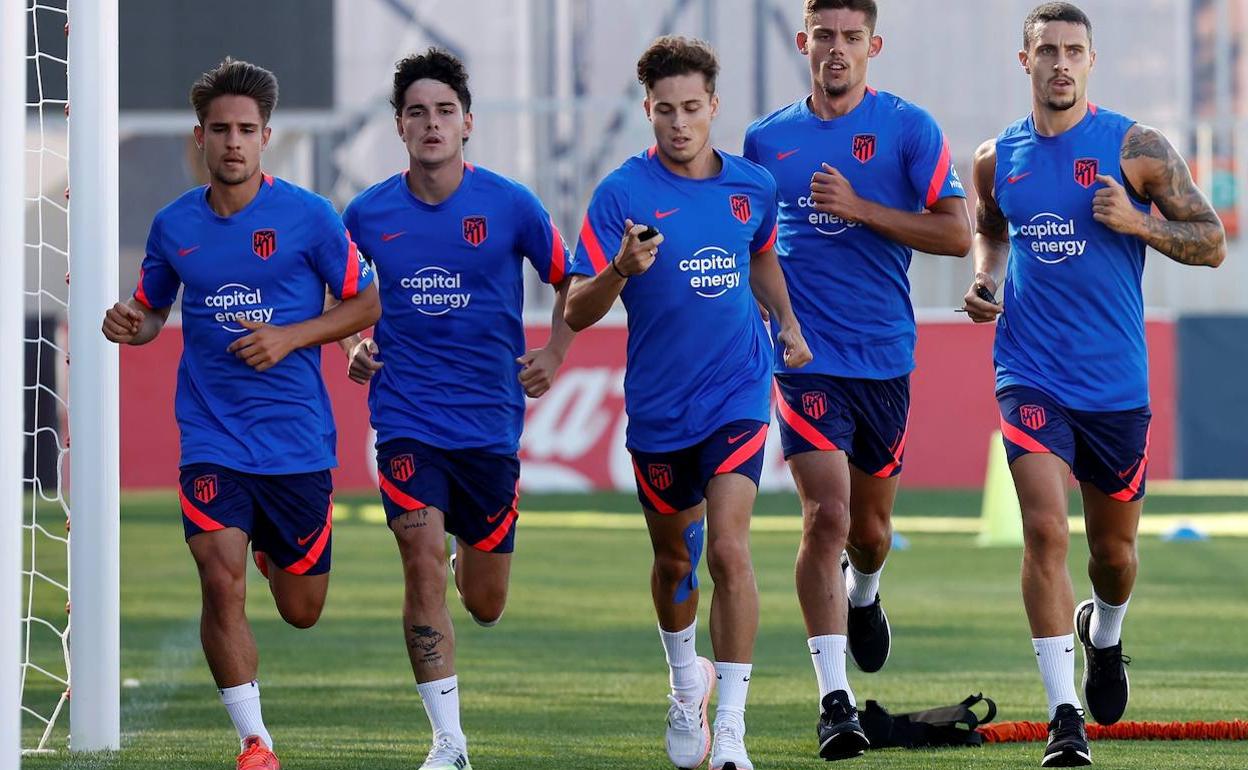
x: 796, y: 352
x: 264, y: 347
x: 1112, y: 207
x: 538, y: 369
x: 832, y: 194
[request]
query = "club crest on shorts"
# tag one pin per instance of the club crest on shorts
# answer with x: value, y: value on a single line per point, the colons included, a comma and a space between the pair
x: 474, y: 230
x: 740, y: 205
x: 402, y: 467
x: 1086, y: 170
x: 863, y: 148
x: 264, y: 242
x: 205, y: 488
x: 1032, y: 416
x: 815, y: 404
x: 660, y: 475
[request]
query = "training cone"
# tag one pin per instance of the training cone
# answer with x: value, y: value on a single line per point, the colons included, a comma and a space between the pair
x: 1001, y: 520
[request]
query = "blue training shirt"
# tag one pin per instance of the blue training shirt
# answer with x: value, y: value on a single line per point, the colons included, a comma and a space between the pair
x: 698, y: 354
x: 1073, y: 319
x: 848, y: 284
x: 452, y: 299
x: 268, y: 263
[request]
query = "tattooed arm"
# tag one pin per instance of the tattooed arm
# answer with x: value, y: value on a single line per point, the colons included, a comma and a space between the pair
x: 990, y: 249
x: 1191, y: 233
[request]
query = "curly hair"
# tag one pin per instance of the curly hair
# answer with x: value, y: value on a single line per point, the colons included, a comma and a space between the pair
x: 434, y: 64
x: 673, y: 55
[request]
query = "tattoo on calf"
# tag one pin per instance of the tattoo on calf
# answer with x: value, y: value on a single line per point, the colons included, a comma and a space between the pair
x: 425, y: 640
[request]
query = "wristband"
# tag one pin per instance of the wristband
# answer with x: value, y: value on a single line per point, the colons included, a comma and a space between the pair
x: 616, y: 268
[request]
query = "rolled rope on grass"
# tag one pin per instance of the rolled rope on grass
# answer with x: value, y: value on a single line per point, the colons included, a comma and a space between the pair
x: 1022, y: 732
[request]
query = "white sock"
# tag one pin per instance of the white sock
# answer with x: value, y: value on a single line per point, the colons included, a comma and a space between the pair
x: 827, y: 653
x: 682, y: 660
x: 734, y: 686
x: 862, y: 587
x: 1056, y: 657
x: 243, y: 705
x: 441, y: 699
x: 1106, y: 627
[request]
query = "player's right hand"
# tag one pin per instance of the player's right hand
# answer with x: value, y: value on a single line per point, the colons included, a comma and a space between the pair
x: 363, y: 363
x: 122, y: 323
x: 980, y: 310
x: 636, y: 256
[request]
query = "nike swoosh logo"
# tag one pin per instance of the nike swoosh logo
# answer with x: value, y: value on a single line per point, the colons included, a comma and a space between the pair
x: 664, y: 214
x: 1013, y: 179
x: 816, y: 652
x: 745, y: 679
x: 720, y: 677
x: 494, y: 518
x: 184, y: 252
x: 686, y: 640
x: 387, y: 237
x: 1070, y: 649
x: 448, y: 692
x: 1124, y: 474
x: 783, y: 155
x: 735, y: 439
x: 304, y: 540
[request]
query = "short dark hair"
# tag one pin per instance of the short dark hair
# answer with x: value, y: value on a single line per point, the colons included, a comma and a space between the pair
x: 234, y: 77
x: 674, y: 55
x: 434, y: 64
x: 1047, y: 12
x: 867, y: 7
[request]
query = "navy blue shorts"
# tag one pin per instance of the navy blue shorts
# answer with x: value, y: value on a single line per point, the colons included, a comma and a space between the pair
x: 477, y: 491
x: 289, y: 517
x: 1106, y: 449
x: 670, y: 482
x: 865, y: 418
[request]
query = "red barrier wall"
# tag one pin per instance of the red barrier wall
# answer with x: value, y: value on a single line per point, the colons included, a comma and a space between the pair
x: 574, y: 435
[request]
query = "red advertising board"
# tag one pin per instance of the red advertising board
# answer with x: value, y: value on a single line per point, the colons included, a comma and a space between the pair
x: 574, y: 435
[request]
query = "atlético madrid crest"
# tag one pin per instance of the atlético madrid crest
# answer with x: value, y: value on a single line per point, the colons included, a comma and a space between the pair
x: 264, y: 243
x: 1032, y: 416
x: 863, y: 147
x: 660, y: 475
x: 740, y: 208
x: 205, y: 488
x: 474, y: 230
x: 402, y: 467
x: 1086, y: 170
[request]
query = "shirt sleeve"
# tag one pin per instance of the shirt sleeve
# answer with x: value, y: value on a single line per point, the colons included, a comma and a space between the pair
x: 929, y: 162
x: 765, y: 236
x: 539, y: 239
x: 602, y: 229
x: 351, y: 221
x: 337, y: 259
x: 158, y: 281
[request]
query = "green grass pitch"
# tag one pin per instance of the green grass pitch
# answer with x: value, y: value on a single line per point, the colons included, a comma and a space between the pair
x: 574, y: 678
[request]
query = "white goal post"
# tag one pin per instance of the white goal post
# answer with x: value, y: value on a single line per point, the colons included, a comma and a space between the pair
x: 95, y: 537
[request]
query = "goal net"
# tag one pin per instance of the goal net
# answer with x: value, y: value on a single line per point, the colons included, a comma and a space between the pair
x: 53, y: 356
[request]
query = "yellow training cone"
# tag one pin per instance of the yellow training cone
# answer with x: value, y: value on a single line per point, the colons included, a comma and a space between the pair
x: 1001, y: 520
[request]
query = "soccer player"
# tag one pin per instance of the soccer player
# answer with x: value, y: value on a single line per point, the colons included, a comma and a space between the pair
x: 253, y: 255
x: 1064, y: 206
x: 448, y: 368
x: 698, y: 374
x: 864, y: 178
